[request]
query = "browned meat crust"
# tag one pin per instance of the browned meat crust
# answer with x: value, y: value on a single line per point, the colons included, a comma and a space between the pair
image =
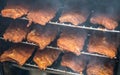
x: 46, y: 58
x: 16, y: 31
x: 72, y: 40
x: 42, y: 36
x: 18, y: 53
x: 107, y: 21
x: 75, y: 12
x: 76, y: 63
x: 100, y: 66
x: 104, y: 43
x: 16, y: 8
x: 106, y: 13
x: 74, y: 17
x: 45, y: 12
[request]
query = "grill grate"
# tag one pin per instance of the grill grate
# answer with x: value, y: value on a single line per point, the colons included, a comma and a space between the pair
x: 56, y: 48
x: 28, y: 66
x: 81, y: 27
x: 84, y: 27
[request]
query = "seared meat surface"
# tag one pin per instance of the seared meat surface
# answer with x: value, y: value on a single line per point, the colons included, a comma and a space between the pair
x: 106, y: 13
x: 104, y: 43
x: 106, y: 21
x: 42, y: 35
x: 46, y: 57
x: 16, y: 31
x: 16, y: 8
x: 100, y: 66
x: 72, y: 40
x: 76, y: 63
x: 43, y: 11
x: 75, y: 12
x: 18, y: 53
x: 74, y: 17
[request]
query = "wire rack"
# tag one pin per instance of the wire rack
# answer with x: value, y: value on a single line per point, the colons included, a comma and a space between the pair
x: 28, y: 66
x: 56, y: 48
x: 81, y: 27
x: 84, y: 27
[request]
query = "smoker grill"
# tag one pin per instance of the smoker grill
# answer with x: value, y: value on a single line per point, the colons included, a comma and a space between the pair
x: 56, y: 68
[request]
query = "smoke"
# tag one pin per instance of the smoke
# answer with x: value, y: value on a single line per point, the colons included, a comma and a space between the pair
x: 107, y: 7
x: 2, y: 4
x: 77, y: 4
x: 46, y: 4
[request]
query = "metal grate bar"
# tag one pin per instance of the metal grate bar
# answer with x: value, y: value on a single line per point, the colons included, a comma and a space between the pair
x: 84, y: 27
x: 56, y: 48
x: 28, y: 66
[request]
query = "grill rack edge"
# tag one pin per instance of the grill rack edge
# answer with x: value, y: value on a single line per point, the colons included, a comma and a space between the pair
x: 57, y: 48
x: 74, y: 26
